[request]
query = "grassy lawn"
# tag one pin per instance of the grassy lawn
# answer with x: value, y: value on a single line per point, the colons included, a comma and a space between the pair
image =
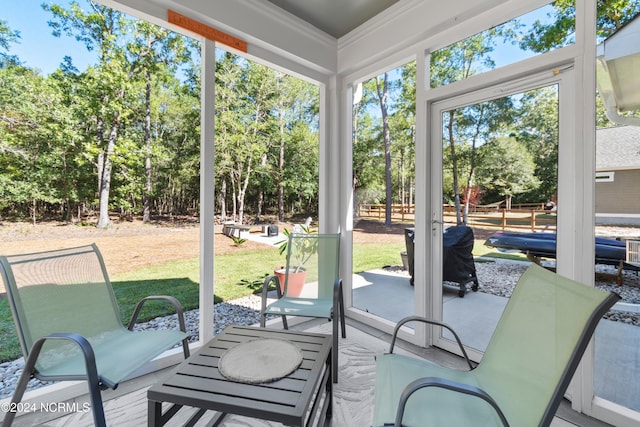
x: 236, y: 275
x: 369, y: 256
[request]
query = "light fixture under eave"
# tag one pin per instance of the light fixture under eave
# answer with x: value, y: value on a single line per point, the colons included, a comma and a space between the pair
x: 618, y: 73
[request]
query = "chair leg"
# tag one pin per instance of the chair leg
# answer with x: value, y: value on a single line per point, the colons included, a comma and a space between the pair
x: 263, y: 307
x: 92, y: 378
x: 262, y: 319
x: 337, y: 317
x: 21, y: 386
x: 341, y: 304
x: 334, y: 349
x: 96, y: 401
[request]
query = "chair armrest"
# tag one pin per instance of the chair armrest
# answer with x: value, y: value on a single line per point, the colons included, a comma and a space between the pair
x: 172, y: 300
x: 265, y: 290
x: 82, y: 343
x: 431, y: 322
x: 179, y: 311
x: 95, y: 382
x: 449, y: 385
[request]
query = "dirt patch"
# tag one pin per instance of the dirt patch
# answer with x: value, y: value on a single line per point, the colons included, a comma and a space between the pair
x: 129, y: 245
x: 125, y: 246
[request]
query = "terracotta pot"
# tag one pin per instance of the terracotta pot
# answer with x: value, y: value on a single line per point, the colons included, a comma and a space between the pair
x: 296, y: 281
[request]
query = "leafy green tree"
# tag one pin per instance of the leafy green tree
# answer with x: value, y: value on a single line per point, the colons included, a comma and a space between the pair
x: 7, y: 37
x: 368, y: 165
x: 404, y: 127
x: 537, y: 127
x: 611, y: 15
x: 130, y: 54
x: 296, y: 109
x: 175, y: 129
x: 39, y: 140
x: 103, y: 29
x: 382, y: 90
x: 266, y: 134
x: 127, y: 128
x: 457, y: 62
x: 242, y: 109
x: 383, y: 140
x: 560, y: 31
x: 508, y: 168
x: 158, y: 53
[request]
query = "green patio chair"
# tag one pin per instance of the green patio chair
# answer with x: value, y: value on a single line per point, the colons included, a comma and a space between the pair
x: 69, y: 324
x: 524, y: 373
x: 310, y: 285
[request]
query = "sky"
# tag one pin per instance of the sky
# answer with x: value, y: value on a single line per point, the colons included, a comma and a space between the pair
x: 37, y: 47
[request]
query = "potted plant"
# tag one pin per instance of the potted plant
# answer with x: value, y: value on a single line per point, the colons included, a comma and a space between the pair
x: 300, y: 255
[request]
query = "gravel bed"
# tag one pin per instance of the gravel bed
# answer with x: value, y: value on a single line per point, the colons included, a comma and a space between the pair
x: 499, y: 278
x: 496, y: 278
x: 243, y: 311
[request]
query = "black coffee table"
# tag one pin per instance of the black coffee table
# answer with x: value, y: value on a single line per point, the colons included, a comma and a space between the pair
x: 303, y: 398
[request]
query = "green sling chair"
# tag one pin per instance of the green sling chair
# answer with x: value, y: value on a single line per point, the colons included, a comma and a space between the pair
x: 524, y: 373
x: 320, y: 296
x: 69, y: 324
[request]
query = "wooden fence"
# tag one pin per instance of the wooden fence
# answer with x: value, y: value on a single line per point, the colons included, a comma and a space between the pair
x: 529, y: 217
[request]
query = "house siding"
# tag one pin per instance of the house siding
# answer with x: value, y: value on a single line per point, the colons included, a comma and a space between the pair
x: 621, y: 196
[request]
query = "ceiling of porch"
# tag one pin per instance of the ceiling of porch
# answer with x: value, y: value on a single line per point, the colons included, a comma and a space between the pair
x: 335, y: 17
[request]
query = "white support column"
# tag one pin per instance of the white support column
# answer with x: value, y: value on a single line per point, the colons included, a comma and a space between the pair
x: 344, y: 148
x: 330, y: 157
x: 207, y: 196
x: 423, y: 293
x: 583, y: 250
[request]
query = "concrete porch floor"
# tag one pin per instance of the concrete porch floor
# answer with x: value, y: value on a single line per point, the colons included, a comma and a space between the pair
x: 474, y: 317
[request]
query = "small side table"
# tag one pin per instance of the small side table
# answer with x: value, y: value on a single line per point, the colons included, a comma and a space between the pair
x: 302, y: 398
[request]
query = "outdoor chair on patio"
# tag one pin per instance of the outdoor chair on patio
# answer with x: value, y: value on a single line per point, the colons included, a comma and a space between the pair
x: 310, y: 285
x: 524, y: 372
x: 69, y: 324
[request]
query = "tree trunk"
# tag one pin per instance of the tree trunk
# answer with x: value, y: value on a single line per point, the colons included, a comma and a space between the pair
x: 454, y: 167
x: 472, y: 165
x: 234, y: 200
x: 260, y: 206
x: 386, y: 134
x: 467, y: 193
x: 281, y: 182
x: 403, y: 190
x: 34, y: 211
x: 222, y: 200
x: 105, y: 183
x: 242, y: 190
x: 100, y: 160
x: 146, y: 197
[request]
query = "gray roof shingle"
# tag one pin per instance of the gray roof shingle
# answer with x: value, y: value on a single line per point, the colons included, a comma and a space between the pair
x: 618, y: 148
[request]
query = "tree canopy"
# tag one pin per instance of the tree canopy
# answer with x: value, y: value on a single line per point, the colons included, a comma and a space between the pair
x: 123, y: 136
